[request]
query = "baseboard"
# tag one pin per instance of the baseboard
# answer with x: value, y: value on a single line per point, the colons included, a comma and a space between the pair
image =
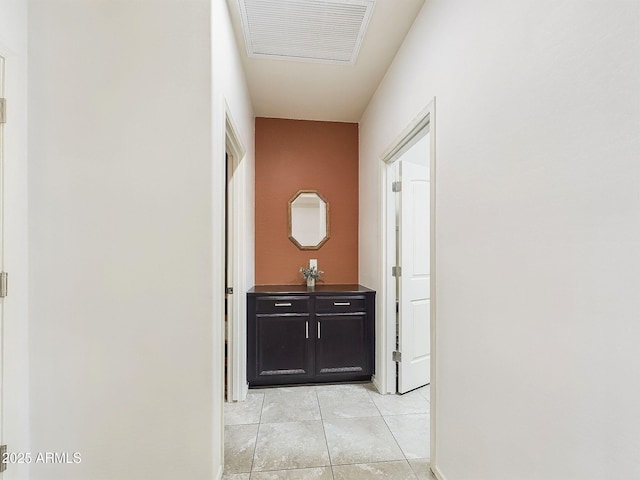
x: 376, y: 384
x: 244, y: 392
x: 437, y: 472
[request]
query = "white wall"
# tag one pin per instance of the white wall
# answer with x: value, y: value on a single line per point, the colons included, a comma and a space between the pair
x: 537, y: 147
x: 231, y: 95
x: 15, y: 414
x: 120, y: 232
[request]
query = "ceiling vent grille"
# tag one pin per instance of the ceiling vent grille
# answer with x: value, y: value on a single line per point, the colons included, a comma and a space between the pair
x: 329, y: 31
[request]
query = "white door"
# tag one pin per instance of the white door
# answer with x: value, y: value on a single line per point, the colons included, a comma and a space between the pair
x: 414, y: 259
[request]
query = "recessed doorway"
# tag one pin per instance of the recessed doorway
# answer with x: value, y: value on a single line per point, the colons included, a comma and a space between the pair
x: 235, y: 385
x: 408, y: 293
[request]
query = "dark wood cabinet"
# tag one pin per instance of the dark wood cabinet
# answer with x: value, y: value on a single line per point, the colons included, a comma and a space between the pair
x: 299, y: 336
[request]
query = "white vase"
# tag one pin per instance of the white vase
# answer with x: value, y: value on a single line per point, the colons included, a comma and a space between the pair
x: 311, y: 282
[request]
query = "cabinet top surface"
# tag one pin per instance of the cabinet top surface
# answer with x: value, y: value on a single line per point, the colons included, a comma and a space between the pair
x: 328, y: 289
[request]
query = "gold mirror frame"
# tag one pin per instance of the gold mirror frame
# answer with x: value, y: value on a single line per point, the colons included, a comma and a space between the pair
x: 327, y: 234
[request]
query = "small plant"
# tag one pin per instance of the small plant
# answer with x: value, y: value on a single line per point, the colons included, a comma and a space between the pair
x: 312, y: 272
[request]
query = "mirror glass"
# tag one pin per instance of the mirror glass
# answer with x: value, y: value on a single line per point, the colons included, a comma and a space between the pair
x: 308, y: 220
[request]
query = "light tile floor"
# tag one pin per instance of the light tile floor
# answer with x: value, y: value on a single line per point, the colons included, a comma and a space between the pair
x: 328, y: 432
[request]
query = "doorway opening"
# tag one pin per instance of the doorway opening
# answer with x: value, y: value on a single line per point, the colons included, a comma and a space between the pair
x: 235, y: 387
x: 408, y: 295
x: 410, y: 207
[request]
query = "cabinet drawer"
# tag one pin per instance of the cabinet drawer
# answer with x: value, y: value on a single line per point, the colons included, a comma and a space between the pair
x: 282, y: 305
x: 355, y: 303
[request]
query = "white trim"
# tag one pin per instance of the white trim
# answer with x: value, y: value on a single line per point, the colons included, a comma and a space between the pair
x: 15, y: 402
x: 3, y: 434
x: 388, y: 309
x: 409, y: 135
x: 426, y: 118
x: 437, y: 472
x: 232, y: 136
x: 376, y: 383
x: 236, y: 371
x: 217, y: 271
x: 432, y: 253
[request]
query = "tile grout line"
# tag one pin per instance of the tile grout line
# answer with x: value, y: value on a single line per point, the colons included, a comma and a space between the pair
x: 255, y: 445
x: 395, y: 440
x: 372, y: 400
x: 293, y: 421
x: 323, y: 419
x: 387, y: 425
x: 326, y: 442
x: 392, y: 435
x: 373, y: 462
x: 410, y: 466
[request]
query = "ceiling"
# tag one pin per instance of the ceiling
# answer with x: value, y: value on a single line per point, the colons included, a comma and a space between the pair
x: 323, y: 91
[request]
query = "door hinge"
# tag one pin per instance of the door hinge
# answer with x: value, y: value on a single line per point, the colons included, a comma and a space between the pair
x: 4, y: 284
x: 3, y: 458
x: 396, y: 187
x: 229, y: 290
x: 397, y: 356
x: 396, y: 271
x: 3, y: 110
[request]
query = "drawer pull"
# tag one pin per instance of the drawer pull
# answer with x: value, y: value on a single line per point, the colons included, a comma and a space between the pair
x: 306, y: 329
x: 286, y: 304
x: 341, y: 304
x: 318, y: 330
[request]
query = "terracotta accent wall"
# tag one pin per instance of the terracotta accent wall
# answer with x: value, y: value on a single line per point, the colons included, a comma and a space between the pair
x: 294, y: 155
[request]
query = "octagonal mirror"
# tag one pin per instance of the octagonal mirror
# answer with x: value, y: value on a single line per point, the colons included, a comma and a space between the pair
x: 308, y: 220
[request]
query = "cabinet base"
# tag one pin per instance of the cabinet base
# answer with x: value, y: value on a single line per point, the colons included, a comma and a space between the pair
x: 269, y: 382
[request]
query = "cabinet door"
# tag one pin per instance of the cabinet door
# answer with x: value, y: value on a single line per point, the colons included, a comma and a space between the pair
x: 342, y: 350
x: 283, y: 349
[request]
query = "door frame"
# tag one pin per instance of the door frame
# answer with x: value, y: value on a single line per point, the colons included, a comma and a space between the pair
x: 236, y: 306
x: 14, y: 343
x: 3, y: 434
x: 387, y: 378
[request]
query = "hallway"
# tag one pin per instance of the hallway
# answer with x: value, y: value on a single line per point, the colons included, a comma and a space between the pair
x: 113, y: 187
x: 327, y: 432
